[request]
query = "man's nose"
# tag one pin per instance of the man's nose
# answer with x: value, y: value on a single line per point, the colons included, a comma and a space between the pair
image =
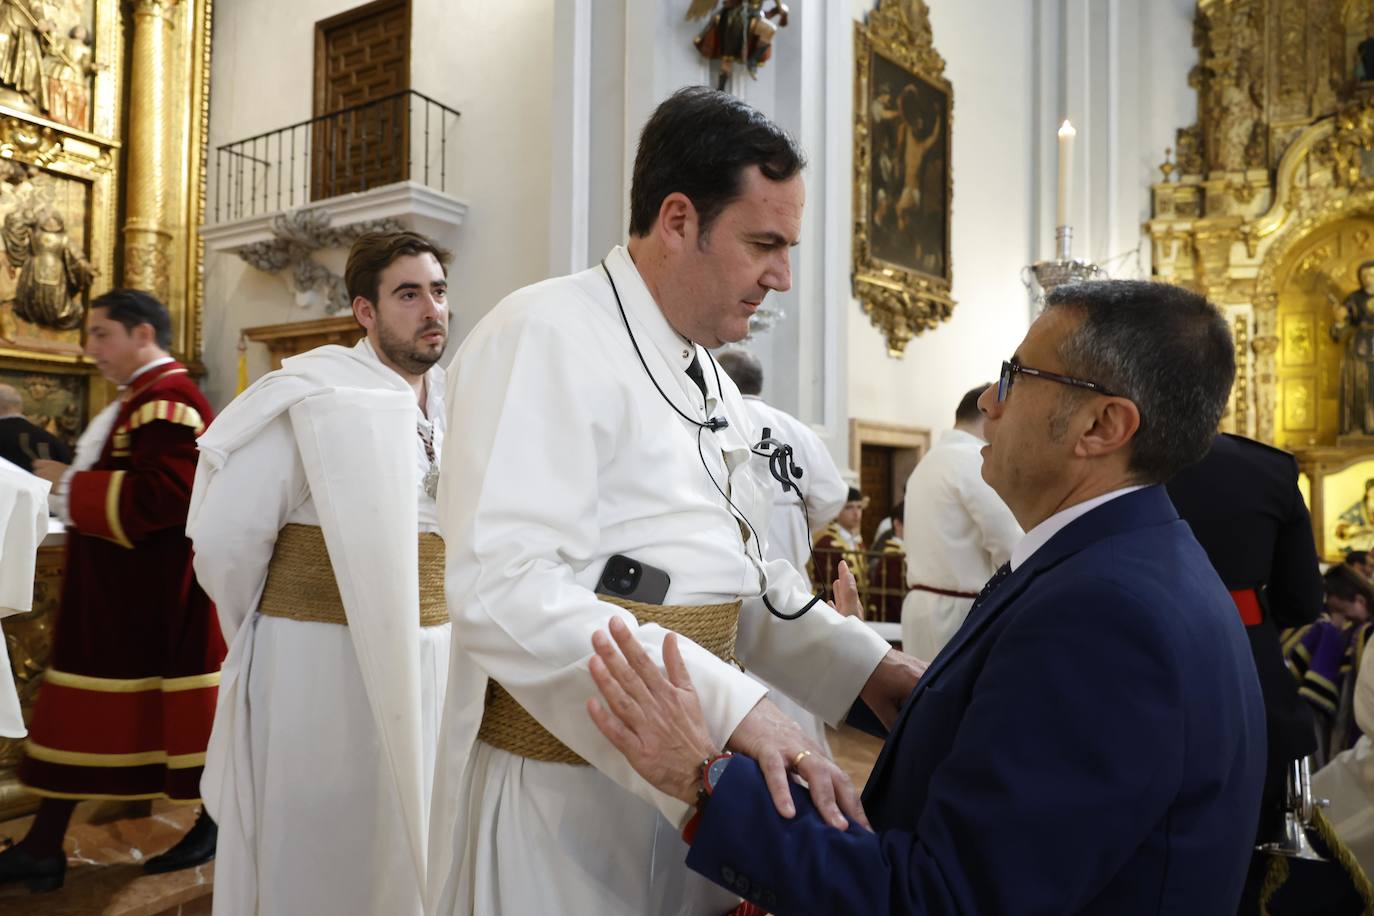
x: 778, y: 277
x: 988, y: 403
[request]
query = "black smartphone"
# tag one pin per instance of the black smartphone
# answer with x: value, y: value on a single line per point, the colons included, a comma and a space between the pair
x: 627, y: 578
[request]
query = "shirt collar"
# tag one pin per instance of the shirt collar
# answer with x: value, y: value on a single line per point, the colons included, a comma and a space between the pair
x: 1040, y: 535
x: 146, y: 368
x: 650, y: 324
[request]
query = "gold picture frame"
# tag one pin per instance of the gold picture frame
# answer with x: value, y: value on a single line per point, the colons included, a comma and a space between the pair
x: 903, y: 187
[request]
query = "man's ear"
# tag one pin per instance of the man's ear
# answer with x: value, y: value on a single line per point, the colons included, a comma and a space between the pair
x: 364, y: 312
x: 677, y: 224
x: 1114, y: 424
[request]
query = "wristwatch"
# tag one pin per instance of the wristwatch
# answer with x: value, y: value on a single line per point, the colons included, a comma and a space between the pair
x: 712, y: 768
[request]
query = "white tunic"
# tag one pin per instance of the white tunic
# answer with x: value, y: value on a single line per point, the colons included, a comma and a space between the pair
x: 580, y: 458
x: 958, y: 531
x: 296, y: 775
x: 23, y: 524
x: 823, y: 491
x: 1348, y: 780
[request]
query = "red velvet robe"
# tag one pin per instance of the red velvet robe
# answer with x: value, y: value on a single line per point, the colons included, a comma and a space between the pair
x: 127, y: 702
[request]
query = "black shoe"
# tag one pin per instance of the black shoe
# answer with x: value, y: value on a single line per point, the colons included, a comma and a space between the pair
x: 196, y: 848
x: 45, y: 874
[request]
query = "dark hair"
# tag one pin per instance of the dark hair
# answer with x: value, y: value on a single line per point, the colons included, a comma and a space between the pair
x: 1356, y: 557
x: 1343, y: 582
x: 133, y: 307
x: 373, y: 253
x: 854, y: 495
x: 1163, y: 347
x: 898, y: 512
x: 968, y: 411
x: 744, y: 370
x: 699, y: 142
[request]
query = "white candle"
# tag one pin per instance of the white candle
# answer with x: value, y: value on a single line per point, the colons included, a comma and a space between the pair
x: 1066, y: 135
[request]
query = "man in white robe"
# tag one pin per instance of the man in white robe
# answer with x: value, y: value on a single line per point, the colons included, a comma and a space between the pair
x: 957, y: 532
x: 820, y: 488
x: 595, y: 421
x: 321, y: 760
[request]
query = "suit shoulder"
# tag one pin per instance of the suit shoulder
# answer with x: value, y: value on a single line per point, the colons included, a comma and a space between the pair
x: 1256, y: 450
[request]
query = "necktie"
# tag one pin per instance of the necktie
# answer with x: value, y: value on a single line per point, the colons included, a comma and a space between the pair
x: 695, y: 374
x: 1002, y: 572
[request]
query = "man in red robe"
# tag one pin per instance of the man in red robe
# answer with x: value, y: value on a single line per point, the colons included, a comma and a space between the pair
x: 129, y: 695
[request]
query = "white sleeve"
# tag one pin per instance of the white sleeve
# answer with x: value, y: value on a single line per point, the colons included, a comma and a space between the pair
x: 235, y: 515
x: 826, y: 490
x: 533, y: 421
x: 1364, y: 691
x: 822, y: 659
x: 996, y: 525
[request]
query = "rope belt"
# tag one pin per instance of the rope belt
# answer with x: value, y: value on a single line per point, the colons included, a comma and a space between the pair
x: 301, y: 586
x: 947, y: 592
x: 507, y: 726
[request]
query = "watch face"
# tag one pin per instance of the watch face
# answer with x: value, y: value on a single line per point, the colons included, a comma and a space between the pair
x: 715, y: 771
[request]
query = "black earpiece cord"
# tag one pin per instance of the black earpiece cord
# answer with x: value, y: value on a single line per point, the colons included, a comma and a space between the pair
x: 714, y: 424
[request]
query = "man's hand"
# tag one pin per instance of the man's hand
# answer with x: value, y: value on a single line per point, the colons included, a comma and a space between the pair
x: 846, y: 592
x: 49, y: 470
x: 656, y: 722
x: 890, y: 684
x: 780, y: 746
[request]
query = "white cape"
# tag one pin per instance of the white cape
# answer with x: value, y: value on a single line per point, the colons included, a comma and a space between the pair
x: 23, y: 524
x: 362, y: 479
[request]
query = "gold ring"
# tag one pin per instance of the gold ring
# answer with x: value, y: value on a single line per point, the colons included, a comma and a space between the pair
x: 796, y: 761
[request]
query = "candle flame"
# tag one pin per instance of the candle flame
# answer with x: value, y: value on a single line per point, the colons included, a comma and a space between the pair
x: 1066, y: 129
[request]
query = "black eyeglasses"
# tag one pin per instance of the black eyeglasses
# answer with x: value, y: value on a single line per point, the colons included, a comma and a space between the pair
x: 1011, y: 368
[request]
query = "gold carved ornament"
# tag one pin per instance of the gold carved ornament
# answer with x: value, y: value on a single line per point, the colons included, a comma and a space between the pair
x: 902, y: 300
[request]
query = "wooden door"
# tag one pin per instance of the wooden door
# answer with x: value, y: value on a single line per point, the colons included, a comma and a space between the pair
x: 875, y: 482
x: 361, y: 56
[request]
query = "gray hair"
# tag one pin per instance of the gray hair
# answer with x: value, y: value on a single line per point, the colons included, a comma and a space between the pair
x: 744, y: 370
x: 1166, y: 349
x: 10, y: 401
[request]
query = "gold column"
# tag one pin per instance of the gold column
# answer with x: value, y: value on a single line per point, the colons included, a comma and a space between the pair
x: 152, y: 74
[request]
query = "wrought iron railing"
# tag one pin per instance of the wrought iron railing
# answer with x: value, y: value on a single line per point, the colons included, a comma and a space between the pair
x: 397, y: 137
x: 881, y: 579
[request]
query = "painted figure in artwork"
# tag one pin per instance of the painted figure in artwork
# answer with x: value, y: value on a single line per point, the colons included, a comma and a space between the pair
x: 68, y: 71
x: 52, y: 272
x: 1355, y: 528
x: 740, y: 30
x: 22, y: 33
x: 1353, y: 325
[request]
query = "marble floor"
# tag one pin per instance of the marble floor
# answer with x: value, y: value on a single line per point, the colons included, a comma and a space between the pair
x: 104, y: 874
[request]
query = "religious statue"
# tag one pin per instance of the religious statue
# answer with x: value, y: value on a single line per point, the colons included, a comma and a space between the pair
x: 68, y: 71
x: 22, y: 33
x: 739, y: 31
x: 1353, y: 325
x: 52, y: 273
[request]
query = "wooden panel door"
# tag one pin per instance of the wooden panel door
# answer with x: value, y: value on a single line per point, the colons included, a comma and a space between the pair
x: 361, y: 56
x: 875, y: 481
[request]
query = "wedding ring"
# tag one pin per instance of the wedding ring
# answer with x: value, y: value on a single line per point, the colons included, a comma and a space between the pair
x: 801, y: 755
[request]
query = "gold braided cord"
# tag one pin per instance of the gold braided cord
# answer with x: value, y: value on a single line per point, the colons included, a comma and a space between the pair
x: 506, y: 724
x: 1341, y: 853
x: 301, y: 586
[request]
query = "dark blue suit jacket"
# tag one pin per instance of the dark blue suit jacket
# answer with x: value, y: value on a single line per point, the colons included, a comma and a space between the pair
x: 1091, y: 741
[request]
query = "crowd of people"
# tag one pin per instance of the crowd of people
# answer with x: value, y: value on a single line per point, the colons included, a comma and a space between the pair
x: 547, y: 631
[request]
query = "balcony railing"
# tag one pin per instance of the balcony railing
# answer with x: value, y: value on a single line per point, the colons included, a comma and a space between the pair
x: 398, y: 137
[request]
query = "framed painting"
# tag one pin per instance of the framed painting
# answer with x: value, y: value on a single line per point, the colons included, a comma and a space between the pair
x: 902, y: 181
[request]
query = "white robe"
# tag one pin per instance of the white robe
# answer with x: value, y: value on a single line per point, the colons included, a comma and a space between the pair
x: 23, y: 524
x: 320, y: 810
x: 1348, y: 780
x: 958, y: 531
x: 579, y: 458
x: 823, y: 491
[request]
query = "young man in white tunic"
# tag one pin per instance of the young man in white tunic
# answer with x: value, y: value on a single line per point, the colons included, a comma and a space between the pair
x: 595, y: 421
x: 304, y: 518
x: 958, y: 531
x: 820, y: 489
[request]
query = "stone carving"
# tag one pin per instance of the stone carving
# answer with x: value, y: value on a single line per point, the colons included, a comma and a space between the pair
x: 300, y: 233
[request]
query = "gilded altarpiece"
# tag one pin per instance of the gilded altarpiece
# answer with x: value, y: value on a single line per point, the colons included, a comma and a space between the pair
x: 1267, y: 207
x: 103, y: 119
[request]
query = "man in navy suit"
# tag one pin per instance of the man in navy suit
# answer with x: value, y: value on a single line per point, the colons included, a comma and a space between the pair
x: 1092, y: 739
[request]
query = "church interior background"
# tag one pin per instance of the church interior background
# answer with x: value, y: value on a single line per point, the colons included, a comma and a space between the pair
x: 224, y: 156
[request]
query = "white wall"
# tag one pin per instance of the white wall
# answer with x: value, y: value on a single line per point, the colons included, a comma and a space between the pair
x: 490, y: 59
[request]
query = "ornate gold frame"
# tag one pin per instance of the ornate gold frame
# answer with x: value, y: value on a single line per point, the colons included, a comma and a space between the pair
x: 900, y: 302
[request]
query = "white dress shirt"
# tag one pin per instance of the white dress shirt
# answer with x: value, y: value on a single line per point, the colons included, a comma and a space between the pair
x: 1040, y: 535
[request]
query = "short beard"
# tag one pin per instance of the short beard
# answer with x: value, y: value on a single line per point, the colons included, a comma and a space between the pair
x: 404, y: 353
